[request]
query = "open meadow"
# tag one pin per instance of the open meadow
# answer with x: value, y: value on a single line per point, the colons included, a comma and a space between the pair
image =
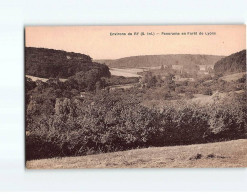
x: 210, y: 155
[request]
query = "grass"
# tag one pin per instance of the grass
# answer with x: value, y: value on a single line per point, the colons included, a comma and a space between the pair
x: 212, y: 155
x: 125, y: 72
x: 233, y: 77
x: 198, y: 98
x: 42, y: 79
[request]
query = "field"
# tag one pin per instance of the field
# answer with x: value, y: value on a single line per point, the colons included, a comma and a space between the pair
x: 33, y: 78
x: 233, y: 77
x: 198, y: 98
x: 130, y: 72
x: 212, y: 155
x: 207, y: 99
x: 125, y: 72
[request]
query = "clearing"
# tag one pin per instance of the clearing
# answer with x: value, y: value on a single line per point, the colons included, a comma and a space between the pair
x: 131, y: 72
x: 33, y: 78
x: 233, y: 77
x: 211, y: 155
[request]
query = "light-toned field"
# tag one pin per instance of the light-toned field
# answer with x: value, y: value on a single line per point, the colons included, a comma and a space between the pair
x: 42, y: 79
x: 233, y: 77
x: 131, y: 72
x: 221, y: 154
x: 207, y: 99
x: 198, y: 98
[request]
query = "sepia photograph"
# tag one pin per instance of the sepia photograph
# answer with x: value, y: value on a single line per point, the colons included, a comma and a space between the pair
x: 135, y: 96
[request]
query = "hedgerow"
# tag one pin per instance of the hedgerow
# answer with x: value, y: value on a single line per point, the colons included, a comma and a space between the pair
x: 108, y: 122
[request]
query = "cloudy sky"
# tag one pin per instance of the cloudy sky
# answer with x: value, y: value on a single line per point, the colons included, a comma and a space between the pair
x: 97, y: 42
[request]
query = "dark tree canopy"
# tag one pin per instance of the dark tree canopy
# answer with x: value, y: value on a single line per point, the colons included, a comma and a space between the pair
x: 231, y: 64
x: 50, y: 63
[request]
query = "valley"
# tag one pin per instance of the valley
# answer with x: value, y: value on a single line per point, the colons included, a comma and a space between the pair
x: 175, y: 108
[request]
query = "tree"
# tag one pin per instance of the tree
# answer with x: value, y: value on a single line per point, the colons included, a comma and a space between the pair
x: 55, y: 83
x: 146, y: 77
x: 210, y: 70
x: 207, y: 91
x: 168, y: 68
x: 29, y: 84
x: 152, y: 82
x: 100, y: 84
x: 169, y: 81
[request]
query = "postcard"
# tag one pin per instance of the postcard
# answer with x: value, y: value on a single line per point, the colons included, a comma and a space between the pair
x: 135, y: 96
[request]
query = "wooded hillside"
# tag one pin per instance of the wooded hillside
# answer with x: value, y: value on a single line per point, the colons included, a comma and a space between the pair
x: 50, y: 63
x: 231, y: 64
x: 158, y: 60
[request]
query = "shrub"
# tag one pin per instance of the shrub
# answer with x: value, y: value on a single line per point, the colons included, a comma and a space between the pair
x: 227, y: 118
x: 207, y: 91
x: 189, y: 95
x: 107, y: 122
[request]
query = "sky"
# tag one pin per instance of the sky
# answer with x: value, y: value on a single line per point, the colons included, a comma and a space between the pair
x: 97, y: 42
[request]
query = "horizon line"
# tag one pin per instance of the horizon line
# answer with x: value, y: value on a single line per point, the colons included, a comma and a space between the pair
x: 133, y: 55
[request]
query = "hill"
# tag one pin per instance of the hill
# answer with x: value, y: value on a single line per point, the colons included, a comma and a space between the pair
x: 158, y: 60
x: 104, y: 61
x: 50, y: 63
x: 221, y: 154
x: 231, y: 64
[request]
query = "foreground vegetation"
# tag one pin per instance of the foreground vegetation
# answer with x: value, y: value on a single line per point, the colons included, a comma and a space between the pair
x: 114, y: 121
x: 211, y: 155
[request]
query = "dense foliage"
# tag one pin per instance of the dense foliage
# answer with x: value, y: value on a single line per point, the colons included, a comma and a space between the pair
x: 120, y: 80
x: 231, y: 64
x: 50, y: 63
x: 116, y: 120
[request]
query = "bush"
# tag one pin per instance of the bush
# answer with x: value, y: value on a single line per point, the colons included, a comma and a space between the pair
x: 207, y: 91
x: 227, y: 118
x: 189, y: 95
x: 107, y: 122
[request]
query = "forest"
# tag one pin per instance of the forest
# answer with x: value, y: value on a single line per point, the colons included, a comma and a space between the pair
x: 231, y: 64
x: 50, y: 63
